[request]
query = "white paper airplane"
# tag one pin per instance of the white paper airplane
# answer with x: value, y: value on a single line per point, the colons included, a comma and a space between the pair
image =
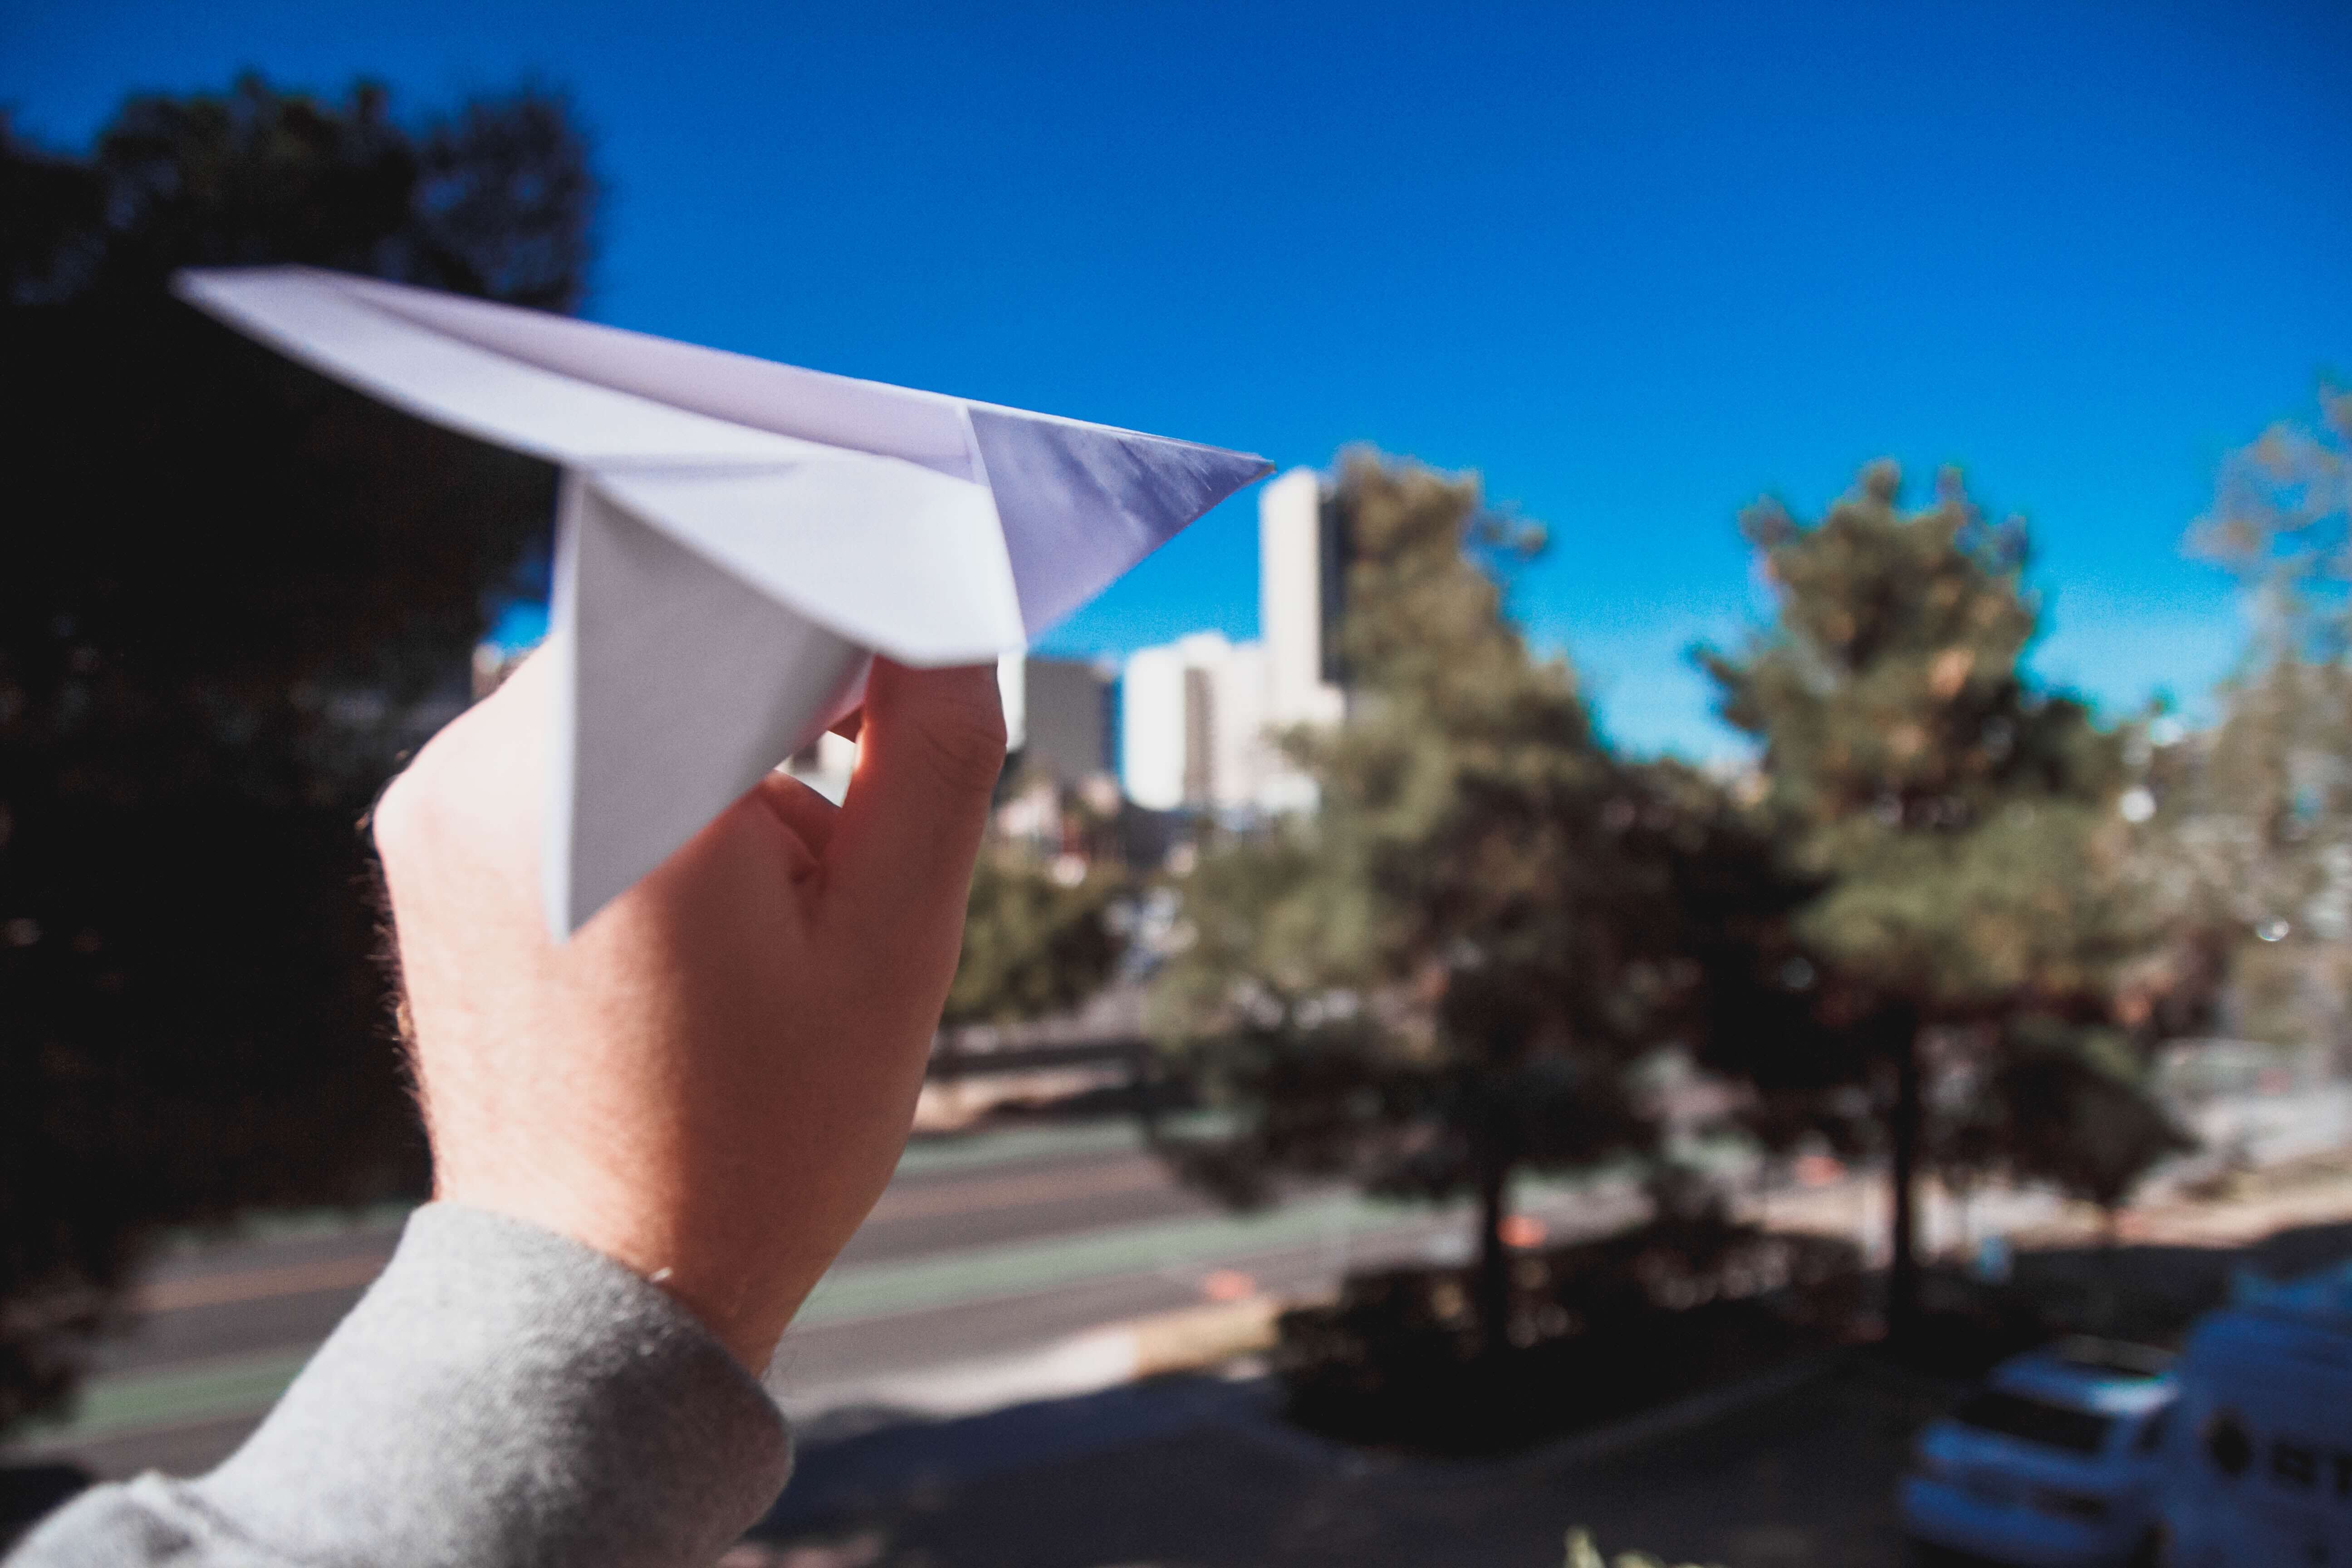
x: 736, y: 538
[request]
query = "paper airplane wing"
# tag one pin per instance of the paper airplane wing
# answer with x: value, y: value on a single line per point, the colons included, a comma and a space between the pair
x: 1079, y: 503
x: 736, y: 537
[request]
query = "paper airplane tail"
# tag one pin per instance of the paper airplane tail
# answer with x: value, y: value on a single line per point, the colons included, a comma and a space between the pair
x: 678, y: 687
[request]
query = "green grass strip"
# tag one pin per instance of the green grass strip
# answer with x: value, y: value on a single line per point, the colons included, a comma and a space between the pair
x: 1021, y: 1269
x: 180, y: 1396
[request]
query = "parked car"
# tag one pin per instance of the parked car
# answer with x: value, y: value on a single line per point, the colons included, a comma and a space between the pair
x: 2259, y: 1466
x: 2053, y: 1463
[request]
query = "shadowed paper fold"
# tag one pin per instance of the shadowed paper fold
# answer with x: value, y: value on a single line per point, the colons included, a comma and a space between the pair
x: 678, y: 686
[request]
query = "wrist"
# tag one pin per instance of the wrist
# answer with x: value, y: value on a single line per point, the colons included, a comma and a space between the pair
x: 718, y: 1279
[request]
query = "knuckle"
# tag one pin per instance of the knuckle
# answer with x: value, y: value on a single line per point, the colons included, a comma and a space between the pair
x: 393, y: 823
x: 407, y: 814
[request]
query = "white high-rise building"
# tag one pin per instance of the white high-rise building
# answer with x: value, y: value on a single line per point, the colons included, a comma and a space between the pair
x: 1197, y: 715
x: 1151, y: 728
x: 1301, y: 573
x: 1191, y: 715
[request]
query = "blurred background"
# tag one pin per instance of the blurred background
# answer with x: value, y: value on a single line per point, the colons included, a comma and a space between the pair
x: 1756, y: 823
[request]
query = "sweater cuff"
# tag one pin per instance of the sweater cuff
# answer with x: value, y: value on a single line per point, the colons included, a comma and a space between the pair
x: 506, y: 1395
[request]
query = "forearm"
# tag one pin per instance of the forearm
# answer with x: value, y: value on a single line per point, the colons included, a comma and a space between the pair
x: 502, y: 1397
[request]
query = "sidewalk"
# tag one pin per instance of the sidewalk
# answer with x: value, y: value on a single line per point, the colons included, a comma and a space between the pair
x: 1192, y: 1340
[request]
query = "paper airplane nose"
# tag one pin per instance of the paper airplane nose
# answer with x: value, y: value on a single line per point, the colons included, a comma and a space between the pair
x: 1082, y: 504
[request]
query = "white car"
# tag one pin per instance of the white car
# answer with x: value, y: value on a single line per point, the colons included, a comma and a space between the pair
x: 2053, y: 1463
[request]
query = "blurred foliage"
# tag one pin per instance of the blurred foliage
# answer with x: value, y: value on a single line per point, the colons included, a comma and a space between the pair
x: 1974, y: 914
x: 233, y: 593
x: 1441, y: 977
x: 1037, y: 937
x: 1963, y: 824
x: 2249, y: 850
x: 2073, y: 1114
x: 1596, y: 1330
x: 2281, y: 522
x: 496, y: 201
x: 1583, y: 1553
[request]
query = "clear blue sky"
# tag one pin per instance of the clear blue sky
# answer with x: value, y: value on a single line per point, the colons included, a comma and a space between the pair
x: 1636, y: 265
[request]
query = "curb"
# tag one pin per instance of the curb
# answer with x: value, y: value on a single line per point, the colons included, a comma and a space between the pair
x: 1191, y: 1338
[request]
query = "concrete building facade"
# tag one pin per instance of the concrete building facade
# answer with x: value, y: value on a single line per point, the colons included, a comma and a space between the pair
x: 1192, y: 714
x: 1197, y: 715
x: 1071, y: 717
x: 1301, y: 585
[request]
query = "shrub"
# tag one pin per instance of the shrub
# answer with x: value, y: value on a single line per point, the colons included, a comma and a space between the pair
x: 1596, y: 1330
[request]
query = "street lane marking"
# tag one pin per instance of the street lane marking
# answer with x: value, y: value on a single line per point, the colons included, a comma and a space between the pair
x: 956, y: 1151
x: 177, y: 1295
x: 931, y: 1199
x: 1344, y: 1222
x: 995, y: 1273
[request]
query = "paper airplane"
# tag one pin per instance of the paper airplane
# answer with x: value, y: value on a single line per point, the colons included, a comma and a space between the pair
x: 736, y: 538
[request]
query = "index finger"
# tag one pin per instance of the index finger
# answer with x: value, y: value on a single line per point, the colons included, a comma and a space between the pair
x: 899, y: 863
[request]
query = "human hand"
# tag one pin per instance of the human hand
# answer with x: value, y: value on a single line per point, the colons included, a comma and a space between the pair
x: 712, y: 1081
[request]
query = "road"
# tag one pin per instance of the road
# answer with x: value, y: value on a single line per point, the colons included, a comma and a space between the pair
x: 985, y: 1249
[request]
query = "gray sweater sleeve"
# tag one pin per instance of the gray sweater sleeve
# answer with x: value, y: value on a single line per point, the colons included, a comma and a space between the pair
x: 502, y: 1397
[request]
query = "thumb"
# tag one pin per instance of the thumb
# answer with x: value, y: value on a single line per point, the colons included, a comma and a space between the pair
x: 899, y: 864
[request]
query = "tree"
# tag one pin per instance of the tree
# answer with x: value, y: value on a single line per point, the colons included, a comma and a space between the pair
x: 2281, y: 522
x: 235, y: 593
x: 1439, y: 979
x: 1960, y: 828
x: 1035, y: 941
x: 2250, y: 851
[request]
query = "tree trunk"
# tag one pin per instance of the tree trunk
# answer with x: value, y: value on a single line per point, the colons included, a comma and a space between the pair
x: 1493, y: 1285
x: 2107, y: 1304
x: 1143, y: 1090
x: 1902, y: 1253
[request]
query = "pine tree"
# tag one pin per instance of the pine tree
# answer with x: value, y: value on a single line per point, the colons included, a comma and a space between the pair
x: 1962, y: 828
x: 2251, y: 850
x: 1439, y: 979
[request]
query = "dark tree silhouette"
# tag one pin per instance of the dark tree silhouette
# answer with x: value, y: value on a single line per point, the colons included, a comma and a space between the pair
x: 232, y: 594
